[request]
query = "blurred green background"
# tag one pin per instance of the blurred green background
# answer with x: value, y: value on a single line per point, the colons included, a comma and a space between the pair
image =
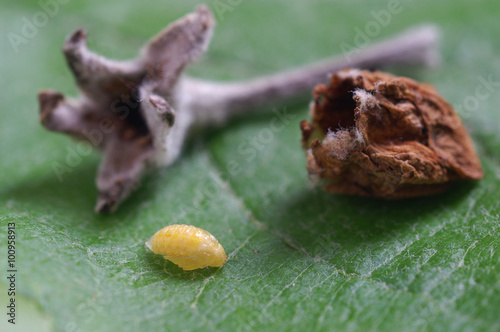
x: 299, y: 259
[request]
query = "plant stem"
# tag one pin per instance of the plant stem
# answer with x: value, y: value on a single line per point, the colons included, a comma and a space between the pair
x: 213, y: 103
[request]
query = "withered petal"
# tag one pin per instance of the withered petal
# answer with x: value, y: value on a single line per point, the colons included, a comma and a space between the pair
x: 123, y: 165
x: 166, y: 55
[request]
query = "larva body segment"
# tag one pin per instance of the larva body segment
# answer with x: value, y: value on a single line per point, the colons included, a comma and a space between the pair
x: 187, y: 246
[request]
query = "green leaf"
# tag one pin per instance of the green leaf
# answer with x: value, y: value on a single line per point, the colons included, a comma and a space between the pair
x: 299, y: 259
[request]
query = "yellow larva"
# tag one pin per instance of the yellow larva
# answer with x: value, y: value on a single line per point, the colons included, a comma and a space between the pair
x: 187, y: 246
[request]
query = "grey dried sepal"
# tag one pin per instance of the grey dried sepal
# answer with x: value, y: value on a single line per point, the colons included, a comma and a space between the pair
x: 130, y: 99
x: 126, y: 108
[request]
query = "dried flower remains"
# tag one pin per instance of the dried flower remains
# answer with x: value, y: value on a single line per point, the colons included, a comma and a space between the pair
x: 124, y: 107
x: 375, y: 134
x: 139, y: 112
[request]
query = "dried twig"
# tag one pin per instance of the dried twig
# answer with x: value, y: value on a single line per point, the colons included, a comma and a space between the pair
x: 214, y: 103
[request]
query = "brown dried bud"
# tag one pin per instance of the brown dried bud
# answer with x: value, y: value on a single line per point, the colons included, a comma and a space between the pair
x: 374, y: 134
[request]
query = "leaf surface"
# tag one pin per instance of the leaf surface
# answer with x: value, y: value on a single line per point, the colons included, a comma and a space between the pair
x: 299, y: 259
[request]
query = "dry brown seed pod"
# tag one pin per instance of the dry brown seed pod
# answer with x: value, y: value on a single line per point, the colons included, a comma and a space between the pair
x: 375, y: 134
